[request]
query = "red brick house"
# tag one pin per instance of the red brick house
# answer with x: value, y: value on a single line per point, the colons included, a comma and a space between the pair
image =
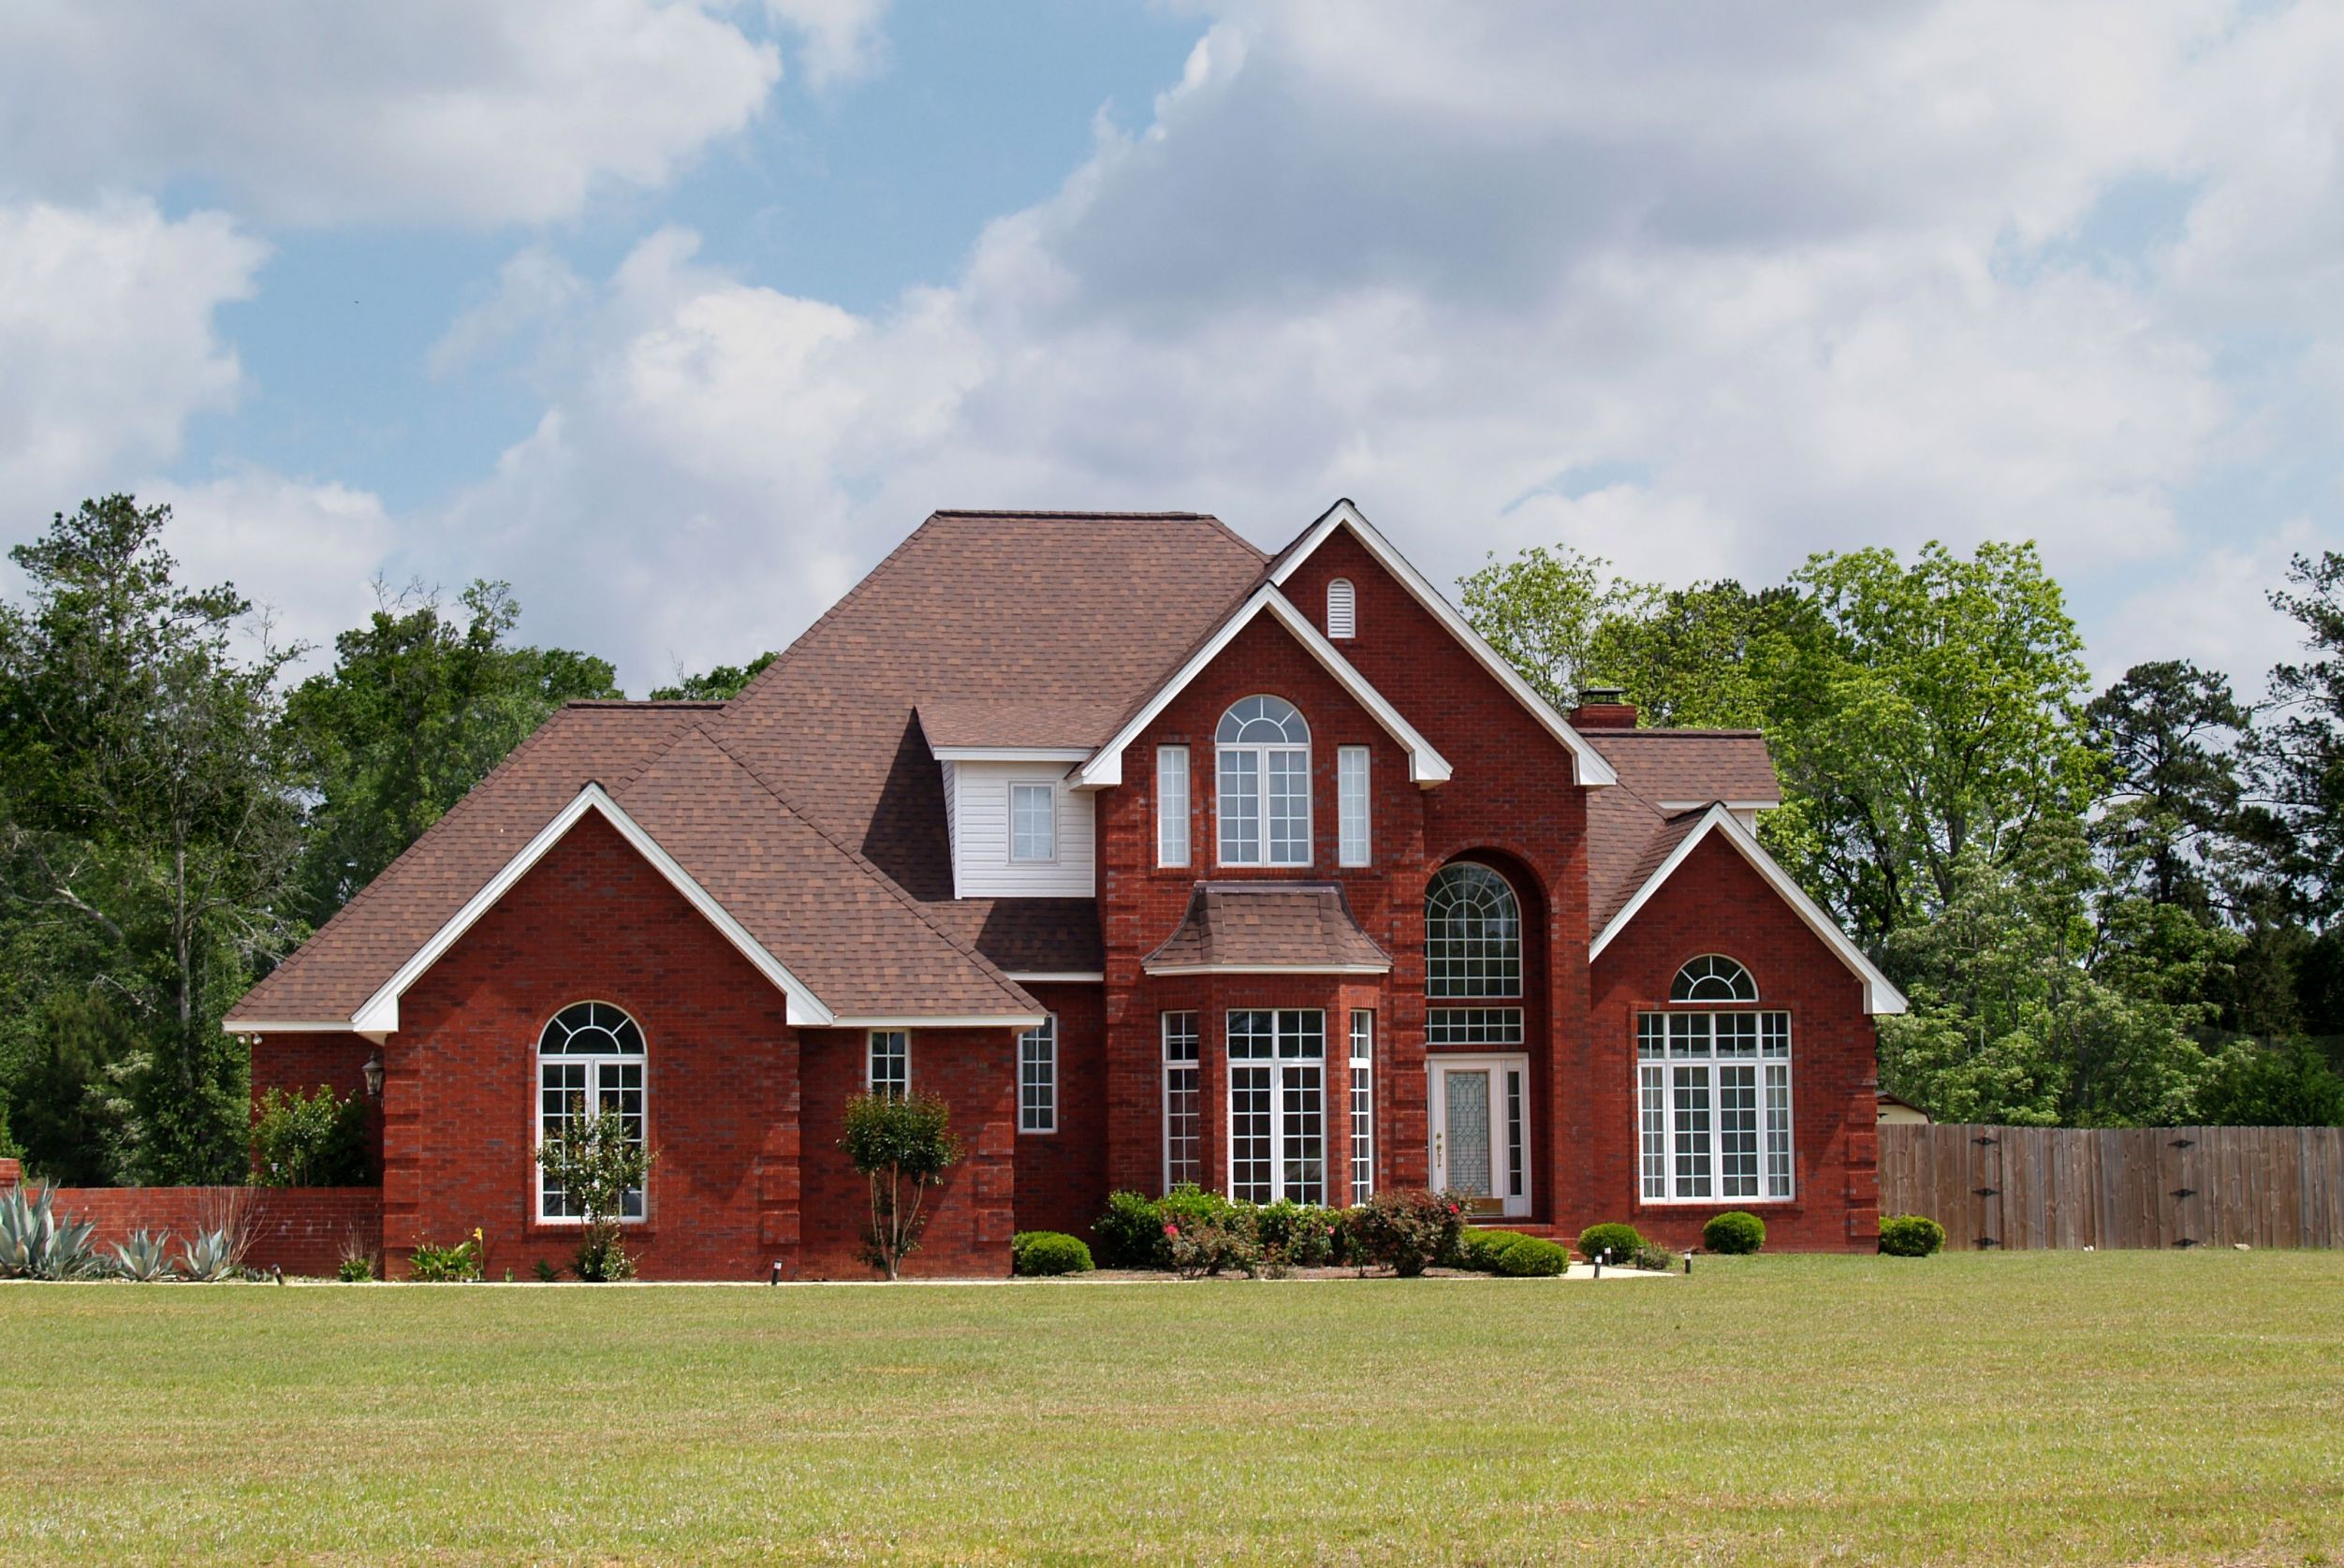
x: 1161, y: 860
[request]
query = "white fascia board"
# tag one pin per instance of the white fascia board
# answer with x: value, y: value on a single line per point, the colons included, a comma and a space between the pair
x: 1010, y: 753
x: 1058, y: 976
x: 987, y: 1020
x: 1589, y: 766
x: 311, y: 1026
x: 381, y: 1010
x: 1267, y: 968
x: 1879, y: 995
x: 1672, y: 807
x: 1427, y: 767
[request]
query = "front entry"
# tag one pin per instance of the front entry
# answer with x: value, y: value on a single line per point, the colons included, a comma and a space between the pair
x: 1480, y: 1125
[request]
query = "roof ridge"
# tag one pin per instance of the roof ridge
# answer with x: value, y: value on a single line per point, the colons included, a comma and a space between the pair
x: 656, y: 704
x: 864, y: 863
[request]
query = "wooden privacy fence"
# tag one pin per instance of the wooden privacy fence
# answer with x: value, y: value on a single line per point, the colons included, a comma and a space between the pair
x: 2118, y: 1186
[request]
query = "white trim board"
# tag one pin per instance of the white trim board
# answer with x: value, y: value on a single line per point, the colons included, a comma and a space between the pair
x: 1266, y: 968
x: 1427, y: 767
x: 1879, y: 995
x: 1058, y: 976
x: 380, y: 1012
x: 988, y: 1020
x: 1010, y: 753
x: 1589, y: 765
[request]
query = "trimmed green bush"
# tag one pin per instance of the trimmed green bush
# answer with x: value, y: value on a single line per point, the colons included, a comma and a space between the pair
x: 1478, y: 1250
x: 1618, y: 1240
x: 1301, y: 1233
x: 1533, y: 1257
x: 1911, y: 1235
x: 1734, y: 1231
x: 1037, y: 1253
x: 1129, y: 1234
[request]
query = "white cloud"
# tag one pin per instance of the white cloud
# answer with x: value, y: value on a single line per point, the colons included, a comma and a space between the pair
x: 109, y: 343
x: 2217, y: 611
x: 535, y: 289
x: 1700, y: 295
x: 842, y: 38
x: 429, y: 109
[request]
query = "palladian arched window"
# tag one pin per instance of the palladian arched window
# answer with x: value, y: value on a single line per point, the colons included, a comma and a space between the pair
x: 589, y: 1059
x: 1713, y: 977
x: 1472, y: 934
x: 1263, y: 751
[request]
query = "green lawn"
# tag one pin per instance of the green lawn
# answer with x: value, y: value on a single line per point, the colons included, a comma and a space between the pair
x: 2109, y: 1407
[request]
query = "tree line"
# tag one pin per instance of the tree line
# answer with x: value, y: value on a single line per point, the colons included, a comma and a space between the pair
x: 2106, y: 908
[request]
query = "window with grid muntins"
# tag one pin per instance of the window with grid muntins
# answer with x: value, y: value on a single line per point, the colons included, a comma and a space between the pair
x: 1713, y: 1106
x: 1473, y: 1026
x: 1263, y: 796
x: 1351, y: 806
x: 1037, y: 1078
x: 1362, y: 1104
x: 1472, y: 934
x: 890, y: 1063
x: 1171, y: 805
x: 1278, y: 1104
x: 1183, y: 1151
x: 1032, y: 822
x: 589, y: 1059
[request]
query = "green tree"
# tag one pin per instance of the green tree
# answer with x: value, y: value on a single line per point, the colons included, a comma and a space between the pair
x: 1545, y: 611
x: 902, y: 1144
x: 147, y: 832
x: 1687, y: 657
x: 595, y: 1162
x: 419, y: 706
x: 2287, y: 1086
x: 1923, y: 715
x: 2171, y: 792
x: 2301, y: 752
x: 720, y: 684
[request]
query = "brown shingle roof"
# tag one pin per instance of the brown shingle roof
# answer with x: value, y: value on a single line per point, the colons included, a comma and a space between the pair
x: 1279, y: 925
x: 1630, y: 833
x: 1039, y: 721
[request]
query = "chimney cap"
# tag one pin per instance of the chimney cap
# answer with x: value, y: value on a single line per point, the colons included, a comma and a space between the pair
x: 1603, y: 697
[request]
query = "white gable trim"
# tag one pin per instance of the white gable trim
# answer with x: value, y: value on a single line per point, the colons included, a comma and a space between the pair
x: 1880, y: 996
x: 1427, y: 767
x: 1010, y: 753
x: 380, y: 1012
x: 1588, y: 765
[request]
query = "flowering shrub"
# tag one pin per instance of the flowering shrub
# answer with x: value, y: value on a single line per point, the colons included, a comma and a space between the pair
x: 1301, y: 1233
x: 1407, y: 1228
x: 1204, y: 1242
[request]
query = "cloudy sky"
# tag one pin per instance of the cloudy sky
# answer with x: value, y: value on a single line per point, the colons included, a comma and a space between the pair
x: 678, y: 315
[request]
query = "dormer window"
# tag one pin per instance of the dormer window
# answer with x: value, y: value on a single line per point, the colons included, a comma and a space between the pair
x: 1263, y: 753
x: 1342, y: 609
x: 1032, y: 822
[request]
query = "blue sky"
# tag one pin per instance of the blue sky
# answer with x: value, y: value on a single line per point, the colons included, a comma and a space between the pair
x: 678, y: 315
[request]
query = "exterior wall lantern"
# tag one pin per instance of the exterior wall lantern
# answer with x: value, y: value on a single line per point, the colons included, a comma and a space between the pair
x: 373, y: 1072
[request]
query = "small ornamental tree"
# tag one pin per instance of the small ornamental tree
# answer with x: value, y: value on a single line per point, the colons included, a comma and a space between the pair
x: 903, y: 1144
x: 309, y: 1140
x: 593, y: 1163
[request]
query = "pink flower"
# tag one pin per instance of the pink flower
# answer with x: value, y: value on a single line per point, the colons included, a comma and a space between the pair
x: 1452, y: 1209
x: 1171, y: 1230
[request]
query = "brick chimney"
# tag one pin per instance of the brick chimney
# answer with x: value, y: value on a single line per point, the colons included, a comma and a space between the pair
x: 1602, y: 707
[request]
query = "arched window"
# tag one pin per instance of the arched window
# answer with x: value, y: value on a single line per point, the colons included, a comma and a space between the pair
x: 1713, y: 977
x: 589, y: 1059
x: 1472, y: 934
x: 1262, y: 749
x: 1342, y: 609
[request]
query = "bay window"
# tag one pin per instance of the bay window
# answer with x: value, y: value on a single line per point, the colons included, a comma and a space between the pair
x: 1278, y: 1104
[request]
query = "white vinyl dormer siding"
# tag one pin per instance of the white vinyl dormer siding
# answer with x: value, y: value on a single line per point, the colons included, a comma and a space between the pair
x: 978, y: 798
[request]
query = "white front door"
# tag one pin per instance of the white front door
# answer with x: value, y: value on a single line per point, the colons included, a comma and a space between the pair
x: 1480, y: 1127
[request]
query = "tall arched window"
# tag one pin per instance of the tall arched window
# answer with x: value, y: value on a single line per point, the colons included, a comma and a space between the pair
x: 1472, y: 934
x: 1713, y: 977
x: 589, y: 1059
x: 1262, y: 749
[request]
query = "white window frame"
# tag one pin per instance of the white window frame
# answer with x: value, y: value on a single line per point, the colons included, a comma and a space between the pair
x: 1037, y: 1078
x: 1244, y: 772
x: 1048, y: 849
x: 1183, y: 1098
x: 1172, y: 797
x: 605, y: 1074
x: 1342, y: 610
x: 1483, y: 954
x: 898, y: 1055
x: 1353, y: 845
x: 1681, y: 1050
x: 1292, y: 1076
x: 1362, y: 1104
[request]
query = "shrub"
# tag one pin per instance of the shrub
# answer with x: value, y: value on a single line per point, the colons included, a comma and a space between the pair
x: 1039, y: 1252
x: 1734, y: 1231
x: 209, y: 1257
x: 1533, y: 1258
x: 445, y: 1265
x: 1301, y: 1233
x: 1188, y: 1207
x: 39, y: 1243
x: 1478, y: 1250
x: 1407, y: 1228
x: 144, y: 1258
x: 1204, y: 1241
x: 902, y: 1145
x: 594, y: 1161
x: 312, y: 1140
x: 1911, y: 1235
x: 1618, y: 1240
x: 355, y: 1269
x: 1658, y: 1259
x: 1129, y: 1234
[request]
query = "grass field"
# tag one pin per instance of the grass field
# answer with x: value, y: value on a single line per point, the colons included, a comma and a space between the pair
x: 2107, y: 1407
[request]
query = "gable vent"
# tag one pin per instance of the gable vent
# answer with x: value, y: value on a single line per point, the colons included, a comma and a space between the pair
x: 1342, y: 615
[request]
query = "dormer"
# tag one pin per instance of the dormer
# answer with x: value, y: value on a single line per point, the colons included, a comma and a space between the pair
x: 1016, y: 826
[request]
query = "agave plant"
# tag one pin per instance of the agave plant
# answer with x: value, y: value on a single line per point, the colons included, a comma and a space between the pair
x: 39, y: 1243
x: 209, y: 1257
x: 143, y: 1257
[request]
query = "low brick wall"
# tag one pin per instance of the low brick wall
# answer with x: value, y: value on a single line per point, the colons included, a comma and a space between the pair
x: 301, y: 1230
